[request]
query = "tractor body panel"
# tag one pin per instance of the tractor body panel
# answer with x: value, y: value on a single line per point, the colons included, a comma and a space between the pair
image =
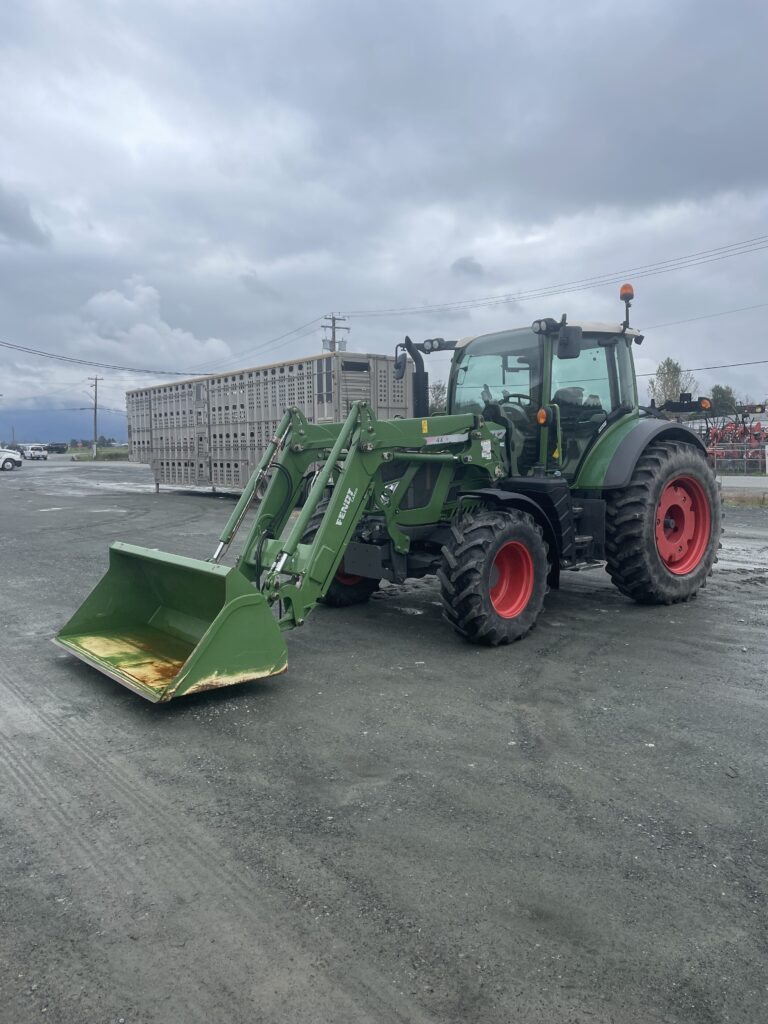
x: 611, y: 460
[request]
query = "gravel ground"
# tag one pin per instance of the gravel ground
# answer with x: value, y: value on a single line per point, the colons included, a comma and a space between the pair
x: 403, y: 827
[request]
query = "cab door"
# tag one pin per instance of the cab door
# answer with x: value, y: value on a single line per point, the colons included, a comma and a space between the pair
x: 589, y: 391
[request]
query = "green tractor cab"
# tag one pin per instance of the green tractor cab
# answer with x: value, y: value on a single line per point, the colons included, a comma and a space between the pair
x: 544, y: 462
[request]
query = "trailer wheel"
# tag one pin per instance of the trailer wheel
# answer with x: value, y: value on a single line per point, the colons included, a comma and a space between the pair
x: 346, y: 589
x: 493, y: 576
x: 663, y: 530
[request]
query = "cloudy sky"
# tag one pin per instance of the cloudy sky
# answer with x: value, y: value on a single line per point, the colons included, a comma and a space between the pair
x: 182, y: 181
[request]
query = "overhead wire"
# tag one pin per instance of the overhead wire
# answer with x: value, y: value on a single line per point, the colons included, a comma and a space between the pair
x: 118, y: 368
x: 85, y: 408
x: 706, y: 316
x: 720, y: 366
x: 271, y: 342
x: 84, y: 362
x: 704, y: 256
x: 653, y: 327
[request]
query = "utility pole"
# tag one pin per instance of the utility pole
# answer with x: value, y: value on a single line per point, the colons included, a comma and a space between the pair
x: 334, y: 319
x: 95, y: 387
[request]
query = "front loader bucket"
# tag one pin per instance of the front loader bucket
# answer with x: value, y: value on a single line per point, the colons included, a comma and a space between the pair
x: 164, y: 625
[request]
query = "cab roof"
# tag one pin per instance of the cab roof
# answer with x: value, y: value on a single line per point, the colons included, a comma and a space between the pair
x: 587, y: 326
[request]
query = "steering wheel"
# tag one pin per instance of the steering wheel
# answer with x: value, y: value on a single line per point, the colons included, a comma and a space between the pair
x: 514, y: 394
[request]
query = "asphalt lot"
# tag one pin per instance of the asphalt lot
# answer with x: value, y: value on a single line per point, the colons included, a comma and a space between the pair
x: 403, y: 827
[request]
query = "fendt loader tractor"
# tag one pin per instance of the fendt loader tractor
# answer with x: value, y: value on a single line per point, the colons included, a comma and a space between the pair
x: 543, y: 462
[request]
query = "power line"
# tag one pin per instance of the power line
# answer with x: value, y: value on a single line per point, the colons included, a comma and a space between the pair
x: 582, y: 284
x: 721, y: 366
x: 222, y: 364
x: 690, y: 369
x: 706, y: 316
x: 84, y: 408
x: 42, y: 353
x: 542, y: 294
x: 700, y: 258
x: 85, y: 362
x: 265, y: 344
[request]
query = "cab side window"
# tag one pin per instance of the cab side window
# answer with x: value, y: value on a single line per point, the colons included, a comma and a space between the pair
x: 583, y: 381
x: 581, y: 388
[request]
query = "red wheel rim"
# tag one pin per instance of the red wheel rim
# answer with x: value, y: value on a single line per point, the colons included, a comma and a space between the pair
x: 346, y: 579
x: 683, y: 523
x: 511, y: 579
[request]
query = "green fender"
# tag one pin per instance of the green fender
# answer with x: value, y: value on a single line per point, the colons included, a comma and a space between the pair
x: 611, y: 461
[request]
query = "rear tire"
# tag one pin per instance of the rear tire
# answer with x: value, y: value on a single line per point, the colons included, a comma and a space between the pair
x: 345, y: 589
x: 663, y: 530
x: 493, y: 576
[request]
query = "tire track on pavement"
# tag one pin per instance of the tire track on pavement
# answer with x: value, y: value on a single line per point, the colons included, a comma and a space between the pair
x: 201, y: 862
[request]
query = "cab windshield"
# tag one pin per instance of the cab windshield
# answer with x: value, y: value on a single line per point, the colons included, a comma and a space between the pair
x: 499, y: 377
x: 502, y: 368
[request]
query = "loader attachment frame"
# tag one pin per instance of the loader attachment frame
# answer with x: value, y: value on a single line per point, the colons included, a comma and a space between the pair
x: 297, y: 574
x: 165, y: 626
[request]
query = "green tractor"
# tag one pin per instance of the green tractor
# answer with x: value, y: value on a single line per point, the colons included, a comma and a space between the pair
x: 543, y: 462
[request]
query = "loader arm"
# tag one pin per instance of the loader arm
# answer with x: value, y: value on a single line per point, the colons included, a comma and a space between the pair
x: 298, y: 574
x: 166, y: 626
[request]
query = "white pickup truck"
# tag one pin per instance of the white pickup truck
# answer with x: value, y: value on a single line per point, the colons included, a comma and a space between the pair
x: 34, y: 451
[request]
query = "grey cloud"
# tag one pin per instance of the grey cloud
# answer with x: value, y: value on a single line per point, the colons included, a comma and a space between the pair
x: 16, y: 221
x: 129, y: 320
x: 525, y: 112
x: 467, y: 266
x: 256, y: 166
x: 254, y: 283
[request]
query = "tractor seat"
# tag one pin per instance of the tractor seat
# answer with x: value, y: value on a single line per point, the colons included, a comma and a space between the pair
x: 579, y: 418
x: 568, y: 396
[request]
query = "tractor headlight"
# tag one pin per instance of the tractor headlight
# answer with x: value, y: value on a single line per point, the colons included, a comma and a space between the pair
x: 544, y: 326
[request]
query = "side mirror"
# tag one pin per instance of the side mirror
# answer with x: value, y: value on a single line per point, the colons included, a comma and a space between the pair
x: 401, y: 360
x: 569, y: 342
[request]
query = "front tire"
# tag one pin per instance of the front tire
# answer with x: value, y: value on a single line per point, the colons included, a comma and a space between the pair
x: 493, y: 576
x: 8, y: 464
x: 663, y: 530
